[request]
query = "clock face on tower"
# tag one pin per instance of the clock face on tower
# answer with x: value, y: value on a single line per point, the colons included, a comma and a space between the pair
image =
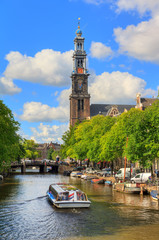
x: 80, y: 70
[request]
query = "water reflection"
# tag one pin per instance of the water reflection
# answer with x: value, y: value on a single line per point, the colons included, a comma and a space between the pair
x: 25, y: 212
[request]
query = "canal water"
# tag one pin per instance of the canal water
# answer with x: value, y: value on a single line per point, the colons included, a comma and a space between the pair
x: 25, y: 212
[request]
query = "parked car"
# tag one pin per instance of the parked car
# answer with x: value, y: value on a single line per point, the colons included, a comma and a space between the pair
x: 120, y: 173
x: 104, y: 172
x: 79, y: 168
x: 141, y: 178
x: 90, y: 170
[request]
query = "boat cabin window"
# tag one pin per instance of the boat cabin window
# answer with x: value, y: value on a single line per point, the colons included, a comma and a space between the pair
x: 81, y: 196
x: 63, y: 196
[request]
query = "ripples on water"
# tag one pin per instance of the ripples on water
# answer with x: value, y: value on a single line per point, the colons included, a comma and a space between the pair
x: 25, y: 212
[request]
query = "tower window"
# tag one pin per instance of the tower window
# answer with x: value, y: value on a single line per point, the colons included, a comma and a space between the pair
x: 78, y: 104
x: 82, y: 104
x: 80, y: 63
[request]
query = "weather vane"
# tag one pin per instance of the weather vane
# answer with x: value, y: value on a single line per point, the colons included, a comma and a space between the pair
x: 79, y: 22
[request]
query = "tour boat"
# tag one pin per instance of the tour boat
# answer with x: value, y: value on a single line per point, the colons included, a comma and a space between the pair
x: 63, y: 195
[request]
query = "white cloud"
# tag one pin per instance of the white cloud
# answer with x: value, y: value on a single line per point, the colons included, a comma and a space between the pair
x: 117, y: 87
x: 37, y: 112
x: 95, y: 2
x: 100, y: 51
x: 47, y: 133
x: 64, y: 98
x: 142, y: 6
x: 47, y: 67
x: 7, y: 87
x: 140, y: 41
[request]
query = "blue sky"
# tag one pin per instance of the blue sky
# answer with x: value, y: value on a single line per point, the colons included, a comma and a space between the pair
x: 121, y: 41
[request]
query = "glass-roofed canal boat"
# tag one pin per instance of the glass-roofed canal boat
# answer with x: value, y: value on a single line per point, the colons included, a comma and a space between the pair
x: 67, y: 196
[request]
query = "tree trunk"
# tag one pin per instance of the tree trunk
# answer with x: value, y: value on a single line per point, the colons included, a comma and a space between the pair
x: 152, y: 172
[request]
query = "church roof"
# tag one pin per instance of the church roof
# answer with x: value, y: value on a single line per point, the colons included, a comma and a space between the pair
x: 146, y: 102
x: 104, y: 109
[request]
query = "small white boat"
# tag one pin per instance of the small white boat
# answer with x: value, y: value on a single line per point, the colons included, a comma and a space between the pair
x: 76, y: 174
x: 154, y: 194
x: 63, y: 195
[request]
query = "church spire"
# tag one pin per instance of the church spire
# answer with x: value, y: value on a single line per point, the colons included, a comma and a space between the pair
x: 79, y: 98
x: 78, y: 31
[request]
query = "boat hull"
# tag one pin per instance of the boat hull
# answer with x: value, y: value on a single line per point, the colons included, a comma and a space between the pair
x: 72, y: 204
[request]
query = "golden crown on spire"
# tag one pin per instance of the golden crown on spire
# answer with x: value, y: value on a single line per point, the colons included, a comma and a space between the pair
x: 79, y: 32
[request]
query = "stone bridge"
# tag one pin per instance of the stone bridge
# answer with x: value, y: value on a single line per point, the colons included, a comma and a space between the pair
x: 36, y: 163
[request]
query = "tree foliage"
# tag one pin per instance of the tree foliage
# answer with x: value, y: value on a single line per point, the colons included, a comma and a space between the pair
x: 49, y: 154
x: 83, y: 140
x: 55, y: 154
x: 143, y: 144
x: 134, y: 134
x: 30, y: 148
x: 9, y: 138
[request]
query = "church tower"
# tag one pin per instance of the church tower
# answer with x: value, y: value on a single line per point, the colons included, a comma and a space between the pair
x: 79, y: 98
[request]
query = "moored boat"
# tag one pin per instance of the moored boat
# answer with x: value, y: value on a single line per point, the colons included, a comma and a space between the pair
x: 89, y: 177
x: 99, y: 181
x: 154, y: 194
x: 108, y: 183
x: 75, y: 174
x: 63, y: 195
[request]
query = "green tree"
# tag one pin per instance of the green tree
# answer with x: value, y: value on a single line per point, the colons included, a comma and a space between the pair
x: 100, y: 126
x: 83, y: 141
x: 49, y: 154
x: 143, y: 144
x: 68, y: 143
x: 9, y: 138
x: 114, y: 141
x: 81, y: 134
x: 54, y: 155
x: 30, y: 149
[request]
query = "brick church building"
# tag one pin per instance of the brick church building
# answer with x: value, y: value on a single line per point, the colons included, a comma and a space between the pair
x: 80, y: 108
